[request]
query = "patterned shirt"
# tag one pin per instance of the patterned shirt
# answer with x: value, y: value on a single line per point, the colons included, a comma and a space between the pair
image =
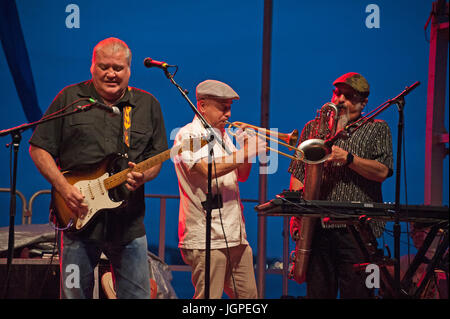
x: 340, y: 183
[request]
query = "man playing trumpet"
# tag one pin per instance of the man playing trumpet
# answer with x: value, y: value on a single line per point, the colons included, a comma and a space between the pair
x: 231, y: 257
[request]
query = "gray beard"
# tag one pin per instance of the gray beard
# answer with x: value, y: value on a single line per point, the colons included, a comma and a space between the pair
x: 343, y: 120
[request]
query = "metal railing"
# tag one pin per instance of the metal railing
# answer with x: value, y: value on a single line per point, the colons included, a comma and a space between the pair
x: 162, y: 230
x: 26, y: 214
x: 32, y: 199
x: 162, y: 227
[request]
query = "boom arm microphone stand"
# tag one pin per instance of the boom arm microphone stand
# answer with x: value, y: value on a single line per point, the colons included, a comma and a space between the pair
x: 400, y: 101
x: 211, y: 202
x: 16, y: 136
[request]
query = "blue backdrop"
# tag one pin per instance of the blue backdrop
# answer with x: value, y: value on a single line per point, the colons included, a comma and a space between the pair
x: 312, y: 44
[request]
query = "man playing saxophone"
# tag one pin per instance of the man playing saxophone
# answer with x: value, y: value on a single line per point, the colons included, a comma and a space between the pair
x: 354, y: 171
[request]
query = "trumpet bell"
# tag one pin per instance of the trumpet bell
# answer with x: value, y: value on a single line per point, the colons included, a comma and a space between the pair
x: 290, y: 139
x: 293, y: 139
x: 315, y: 151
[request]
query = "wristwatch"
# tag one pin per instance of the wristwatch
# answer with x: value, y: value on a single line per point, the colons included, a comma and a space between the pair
x: 349, y: 159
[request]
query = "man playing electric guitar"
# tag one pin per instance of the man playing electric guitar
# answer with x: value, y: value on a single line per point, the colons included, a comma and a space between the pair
x: 78, y: 142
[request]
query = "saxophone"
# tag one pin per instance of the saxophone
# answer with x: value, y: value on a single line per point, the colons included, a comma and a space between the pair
x: 324, y: 127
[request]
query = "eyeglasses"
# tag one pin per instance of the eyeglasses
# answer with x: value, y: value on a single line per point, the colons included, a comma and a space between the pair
x: 349, y: 95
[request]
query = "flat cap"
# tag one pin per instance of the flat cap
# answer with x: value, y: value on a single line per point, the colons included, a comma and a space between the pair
x: 215, y: 90
x: 355, y: 81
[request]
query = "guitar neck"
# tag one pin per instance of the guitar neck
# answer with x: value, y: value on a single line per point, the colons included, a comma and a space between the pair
x: 119, y: 178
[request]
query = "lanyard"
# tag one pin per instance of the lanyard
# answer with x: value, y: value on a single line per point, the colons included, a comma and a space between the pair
x: 127, y: 125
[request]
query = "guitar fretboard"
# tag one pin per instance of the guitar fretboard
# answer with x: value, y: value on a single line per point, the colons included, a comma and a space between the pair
x: 119, y: 178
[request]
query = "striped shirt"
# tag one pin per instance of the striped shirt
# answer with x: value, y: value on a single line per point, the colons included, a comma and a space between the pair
x: 340, y: 183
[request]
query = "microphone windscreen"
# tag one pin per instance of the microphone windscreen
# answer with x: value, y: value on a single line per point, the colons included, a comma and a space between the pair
x: 148, y: 62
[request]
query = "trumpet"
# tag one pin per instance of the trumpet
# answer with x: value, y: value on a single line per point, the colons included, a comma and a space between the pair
x: 289, y: 140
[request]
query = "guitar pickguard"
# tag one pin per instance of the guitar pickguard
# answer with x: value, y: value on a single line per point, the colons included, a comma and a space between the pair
x: 96, y: 198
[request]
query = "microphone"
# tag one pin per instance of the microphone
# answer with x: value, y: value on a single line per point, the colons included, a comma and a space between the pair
x: 410, y: 88
x: 400, y: 98
x: 114, y: 110
x: 150, y: 63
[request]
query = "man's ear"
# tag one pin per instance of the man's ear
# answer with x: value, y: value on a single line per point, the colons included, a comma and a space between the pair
x: 201, y: 106
x: 364, y: 103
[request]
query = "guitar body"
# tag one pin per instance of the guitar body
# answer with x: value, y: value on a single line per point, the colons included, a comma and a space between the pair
x: 91, y: 185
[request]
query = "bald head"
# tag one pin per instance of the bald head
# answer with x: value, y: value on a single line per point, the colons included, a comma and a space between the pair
x: 111, y: 45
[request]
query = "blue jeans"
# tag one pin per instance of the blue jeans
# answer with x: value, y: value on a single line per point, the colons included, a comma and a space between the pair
x: 129, y: 263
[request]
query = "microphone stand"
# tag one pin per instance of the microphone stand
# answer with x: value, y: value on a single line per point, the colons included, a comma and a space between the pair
x: 397, y: 229
x: 211, y: 202
x: 400, y: 101
x: 16, y: 136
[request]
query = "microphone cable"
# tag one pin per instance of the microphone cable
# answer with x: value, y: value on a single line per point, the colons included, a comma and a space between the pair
x: 224, y: 235
x: 49, y: 265
x: 64, y: 108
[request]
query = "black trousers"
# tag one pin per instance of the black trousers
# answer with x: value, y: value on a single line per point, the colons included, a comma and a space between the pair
x: 331, y: 271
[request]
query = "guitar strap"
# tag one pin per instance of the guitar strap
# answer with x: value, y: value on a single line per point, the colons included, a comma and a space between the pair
x: 121, y: 163
x: 127, y: 126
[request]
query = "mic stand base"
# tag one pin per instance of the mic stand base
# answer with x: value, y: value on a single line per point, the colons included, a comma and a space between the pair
x: 16, y: 138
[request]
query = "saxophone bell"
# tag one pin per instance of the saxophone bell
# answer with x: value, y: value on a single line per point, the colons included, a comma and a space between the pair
x: 317, y: 150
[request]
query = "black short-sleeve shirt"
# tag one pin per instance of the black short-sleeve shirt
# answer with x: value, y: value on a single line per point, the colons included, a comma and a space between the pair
x: 80, y: 140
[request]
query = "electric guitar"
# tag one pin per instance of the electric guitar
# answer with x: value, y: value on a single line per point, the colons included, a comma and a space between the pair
x: 96, y: 184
